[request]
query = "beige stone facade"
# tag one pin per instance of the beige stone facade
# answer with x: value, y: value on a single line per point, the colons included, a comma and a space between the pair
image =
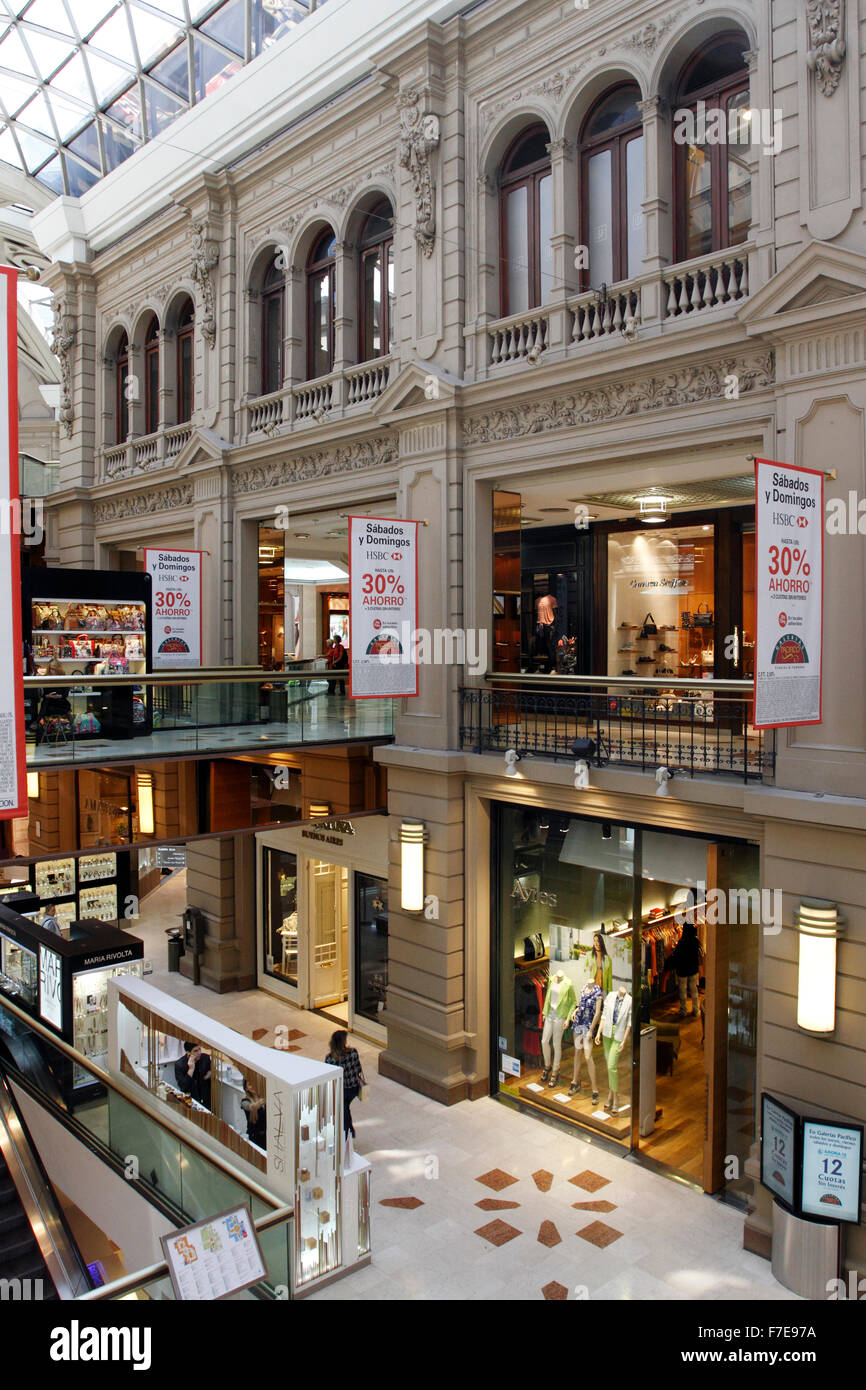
x: 460, y: 407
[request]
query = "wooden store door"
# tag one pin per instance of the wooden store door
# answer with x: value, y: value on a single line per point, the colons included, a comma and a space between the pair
x: 329, y: 931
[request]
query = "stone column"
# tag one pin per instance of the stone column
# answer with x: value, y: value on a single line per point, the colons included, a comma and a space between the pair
x: 428, y: 1048
x: 565, y: 276
x: 214, y: 886
x: 658, y: 226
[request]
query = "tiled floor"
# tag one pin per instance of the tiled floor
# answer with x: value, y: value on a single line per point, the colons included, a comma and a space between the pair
x: 625, y: 1233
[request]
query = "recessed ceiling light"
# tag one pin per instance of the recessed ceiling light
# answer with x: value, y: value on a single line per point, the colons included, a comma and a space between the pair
x: 706, y: 528
x: 553, y: 509
x: 302, y: 535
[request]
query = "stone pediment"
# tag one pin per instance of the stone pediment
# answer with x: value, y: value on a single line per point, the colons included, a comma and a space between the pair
x: 819, y: 283
x: 204, y: 448
x: 418, y: 384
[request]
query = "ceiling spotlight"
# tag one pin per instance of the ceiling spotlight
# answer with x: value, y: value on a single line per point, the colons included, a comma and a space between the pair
x: 581, y: 776
x: 319, y: 414
x: 663, y: 776
x: 534, y: 352
x: 302, y: 535
x: 512, y: 758
x: 629, y: 327
x: 654, y: 510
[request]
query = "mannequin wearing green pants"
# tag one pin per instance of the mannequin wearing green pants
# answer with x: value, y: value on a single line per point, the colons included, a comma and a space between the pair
x: 615, y: 1029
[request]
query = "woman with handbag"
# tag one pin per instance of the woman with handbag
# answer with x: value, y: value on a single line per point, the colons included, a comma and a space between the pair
x: 341, y: 1055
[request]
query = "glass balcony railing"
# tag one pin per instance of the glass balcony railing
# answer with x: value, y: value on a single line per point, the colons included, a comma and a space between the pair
x: 74, y: 720
x: 186, y: 1182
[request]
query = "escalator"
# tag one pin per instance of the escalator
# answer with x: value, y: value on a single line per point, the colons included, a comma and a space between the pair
x: 39, y: 1259
x: 20, y: 1257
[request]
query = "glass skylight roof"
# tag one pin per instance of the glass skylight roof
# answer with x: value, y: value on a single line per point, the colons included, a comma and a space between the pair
x: 83, y: 83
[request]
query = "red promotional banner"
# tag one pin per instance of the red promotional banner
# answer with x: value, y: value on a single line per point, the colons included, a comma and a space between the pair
x: 13, y: 778
x: 789, y: 591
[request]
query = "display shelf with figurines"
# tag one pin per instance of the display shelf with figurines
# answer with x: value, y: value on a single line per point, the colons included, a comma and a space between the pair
x: 72, y: 633
x: 92, y: 868
x: 99, y: 902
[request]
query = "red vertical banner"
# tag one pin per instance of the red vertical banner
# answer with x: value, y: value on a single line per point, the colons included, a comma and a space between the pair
x: 13, y: 776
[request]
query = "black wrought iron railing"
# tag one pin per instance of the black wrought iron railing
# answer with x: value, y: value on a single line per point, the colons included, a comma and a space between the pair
x: 647, y: 724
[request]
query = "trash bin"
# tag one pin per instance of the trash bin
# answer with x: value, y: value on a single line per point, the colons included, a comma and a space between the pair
x: 175, y: 950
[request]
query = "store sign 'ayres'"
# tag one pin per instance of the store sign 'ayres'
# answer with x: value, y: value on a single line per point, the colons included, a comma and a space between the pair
x: 13, y: 799
x: 383, y: 588
x: 176, y: 576
x: 789, y: 584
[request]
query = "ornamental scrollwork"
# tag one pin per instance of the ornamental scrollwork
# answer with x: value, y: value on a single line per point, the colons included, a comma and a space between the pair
x: 62, y: 342
x: 703, y: 382
x: 369, y: 453
x: 205, y: 254
x: 826, y: 53
x: 420, y: 137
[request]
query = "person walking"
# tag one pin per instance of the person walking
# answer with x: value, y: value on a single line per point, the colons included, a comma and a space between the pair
x: 687, y: 963
x: 341, y: 1055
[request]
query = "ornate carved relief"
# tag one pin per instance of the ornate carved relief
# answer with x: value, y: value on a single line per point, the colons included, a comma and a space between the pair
x: 62, y: 343
x: 258, y: 477
x: 164, y: 499
x: 420, y: 137
x: 699, y: 383
x: 205, y: 254
x: 550, y: 87
x: 648, y: 38
x: 826, y: 20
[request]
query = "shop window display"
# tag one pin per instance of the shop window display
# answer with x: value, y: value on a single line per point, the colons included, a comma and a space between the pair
x: 19, y: 971
x: 280, y: 918
x: 371, y: 947
x: 581, y: 1009
x: 661, y: 603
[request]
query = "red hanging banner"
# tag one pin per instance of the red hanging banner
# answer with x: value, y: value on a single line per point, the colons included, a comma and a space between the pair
x: 13, y: 776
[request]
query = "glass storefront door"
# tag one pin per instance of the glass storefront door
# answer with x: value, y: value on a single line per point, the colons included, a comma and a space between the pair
x: 329, y: 924
x: 653, y: 1044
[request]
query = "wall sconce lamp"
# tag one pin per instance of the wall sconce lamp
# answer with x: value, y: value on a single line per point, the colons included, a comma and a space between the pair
x: 663, y: 776
x: 413, y: 834
x: 820, y: 927
x: 319, y: 810
x: 33, y: 786
x: 512, y: 758
x: 145, y: 803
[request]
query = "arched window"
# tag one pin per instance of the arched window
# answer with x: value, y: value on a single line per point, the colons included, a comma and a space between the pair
x: 526, y: 223
x: 151, y: 377
x: 376, y: 318
x: 711, y: 130
x: 121, y: 390
x: 185, y: 379
x: 273, y: 328
x: 321, y: 306
x: 612, y: 187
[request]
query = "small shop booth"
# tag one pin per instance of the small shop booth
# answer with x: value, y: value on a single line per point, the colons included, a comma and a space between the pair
x: 323, y: 919
x: 63, y: 982
x: 298, y: 1153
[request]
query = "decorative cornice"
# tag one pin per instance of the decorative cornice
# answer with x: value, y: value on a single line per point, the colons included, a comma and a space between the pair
x: 826, y: 21
x: 419, y: 138
x: 62, y: 342
x: 324, y: 463
x: 703, y: 382
x: 552, y: 88
x: 164, y: 499
x: 205, y: 254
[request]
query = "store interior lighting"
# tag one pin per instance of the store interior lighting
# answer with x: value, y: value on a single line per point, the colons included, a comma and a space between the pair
x: 33, y: 786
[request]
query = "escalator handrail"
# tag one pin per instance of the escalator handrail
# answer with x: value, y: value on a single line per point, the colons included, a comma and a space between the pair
x: 110, y: 1082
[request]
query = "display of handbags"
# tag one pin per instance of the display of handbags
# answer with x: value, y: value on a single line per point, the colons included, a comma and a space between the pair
x: 703, y: 616
x: 648, y: 629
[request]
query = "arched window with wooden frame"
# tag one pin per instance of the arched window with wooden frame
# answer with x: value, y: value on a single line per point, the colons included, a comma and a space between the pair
x: 185, y: 384
x: 151, y: 377
x: 526, y: 223
x: 612, y: 187
x: 376, y: 290
x: 273, y: 328
x: 121, y: 389
x: 321, y: 305
x: 712, y: 139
